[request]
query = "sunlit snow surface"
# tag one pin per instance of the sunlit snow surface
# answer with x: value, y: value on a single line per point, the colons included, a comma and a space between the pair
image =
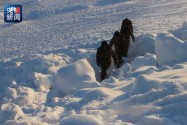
x: 50, y: 25
x: 48, y: 74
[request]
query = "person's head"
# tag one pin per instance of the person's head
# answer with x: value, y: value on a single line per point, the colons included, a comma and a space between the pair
x: 117, y: 33
x: 104, y: 43
x: 125, y: 20
x: 126, y: 23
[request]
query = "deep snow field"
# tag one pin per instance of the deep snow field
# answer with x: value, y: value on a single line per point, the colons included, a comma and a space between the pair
x: 48, y: 73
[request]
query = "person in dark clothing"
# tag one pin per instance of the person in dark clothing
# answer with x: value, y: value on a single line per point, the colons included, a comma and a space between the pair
x: 126, y: 32
x: 104, y: 58
x: 120, y: 46
x: 127, y: 29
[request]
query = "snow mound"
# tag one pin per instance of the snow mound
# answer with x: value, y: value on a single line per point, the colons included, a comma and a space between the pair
x: 10, y: 111
x: 147, y: 83
x: 75, y: 76
x: 80, y: 120
x: 42, y: 81
x: 143, y: 44
x: 47, y: 64
x: 25, y: 70
x: 142, y: 64
x: 144, y: 84
x: 147, y: 60
x: 22, y: 96
x: 97, y: 94
x: 180, y: 32
x: 169, y: 49
x: 154, y: 97
x: 154, y: 120
x: 125, y: 70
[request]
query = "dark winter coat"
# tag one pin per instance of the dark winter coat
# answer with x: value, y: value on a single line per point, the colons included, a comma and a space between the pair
x: 104, y: 56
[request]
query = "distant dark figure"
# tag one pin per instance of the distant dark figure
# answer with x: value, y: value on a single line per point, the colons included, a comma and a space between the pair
x: 120, y: 46
x: 127, y: 32
x: 127, y: 29
x: 104, y: 58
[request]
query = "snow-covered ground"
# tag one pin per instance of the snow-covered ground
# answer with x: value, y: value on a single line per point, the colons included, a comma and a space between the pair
x: 48, y: 73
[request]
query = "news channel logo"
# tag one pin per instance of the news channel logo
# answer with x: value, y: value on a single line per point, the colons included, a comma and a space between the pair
x: 13, y: 13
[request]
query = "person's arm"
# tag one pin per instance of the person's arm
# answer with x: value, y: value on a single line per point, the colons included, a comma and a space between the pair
x: 132, y: 36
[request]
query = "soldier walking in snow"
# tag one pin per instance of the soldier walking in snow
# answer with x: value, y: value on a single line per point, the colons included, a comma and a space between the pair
x: 126, y: 32
x: 104, y: 58
x: 119, y: 46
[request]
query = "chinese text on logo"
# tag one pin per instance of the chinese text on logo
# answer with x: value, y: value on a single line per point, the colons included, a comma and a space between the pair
x: 13, y: 13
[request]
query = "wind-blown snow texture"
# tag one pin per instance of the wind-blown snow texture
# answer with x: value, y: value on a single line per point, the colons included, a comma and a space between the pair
x: 48, y: 73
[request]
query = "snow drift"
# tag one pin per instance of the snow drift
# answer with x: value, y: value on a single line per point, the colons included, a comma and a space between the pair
x: 169, y: 49
x: 75, y: 76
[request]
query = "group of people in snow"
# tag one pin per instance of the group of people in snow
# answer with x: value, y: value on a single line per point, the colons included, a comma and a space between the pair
x: 121, y: 42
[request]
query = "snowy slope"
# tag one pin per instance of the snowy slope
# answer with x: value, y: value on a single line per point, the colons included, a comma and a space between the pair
x: 50, y: 25
x: 48, y: 73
